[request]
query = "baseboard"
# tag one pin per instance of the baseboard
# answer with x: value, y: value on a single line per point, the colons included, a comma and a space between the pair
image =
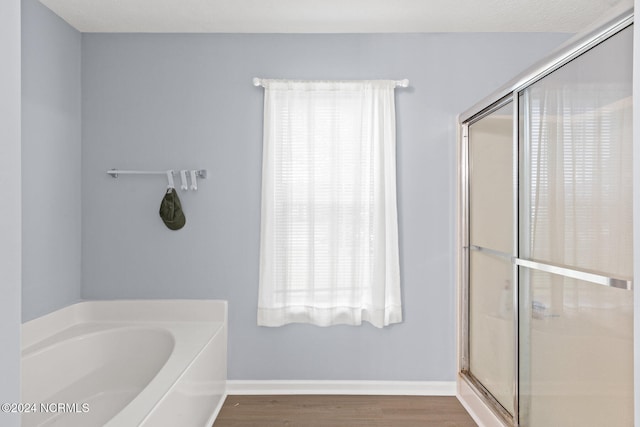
x: 403, y: 388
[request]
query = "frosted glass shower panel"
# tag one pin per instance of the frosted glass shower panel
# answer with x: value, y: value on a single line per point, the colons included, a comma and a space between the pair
x: 491, y: 181
x: 580, y: 354
x: 491, y: 330
x: 576, y: 337
x: 576, y: 125
x: 546, y: 241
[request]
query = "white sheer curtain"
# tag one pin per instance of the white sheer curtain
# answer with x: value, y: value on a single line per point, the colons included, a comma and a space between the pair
x: 329, y: 239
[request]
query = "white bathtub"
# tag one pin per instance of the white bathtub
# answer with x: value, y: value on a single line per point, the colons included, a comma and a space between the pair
x: 125, y: 364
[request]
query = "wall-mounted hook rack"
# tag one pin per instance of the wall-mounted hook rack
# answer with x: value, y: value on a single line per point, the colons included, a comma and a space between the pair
x: 200, y: 173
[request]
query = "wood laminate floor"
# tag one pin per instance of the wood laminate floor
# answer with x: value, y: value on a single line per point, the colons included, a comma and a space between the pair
x: 342, y: 411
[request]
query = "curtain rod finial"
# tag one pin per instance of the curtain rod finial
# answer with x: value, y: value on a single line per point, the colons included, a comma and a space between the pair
x: 403, y: 83
x: 256, y: 81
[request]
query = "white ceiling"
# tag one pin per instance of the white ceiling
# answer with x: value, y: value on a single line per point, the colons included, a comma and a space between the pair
x: 333, y: 16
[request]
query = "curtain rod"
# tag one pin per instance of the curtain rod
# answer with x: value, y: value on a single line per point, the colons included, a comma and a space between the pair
x: 399, y: 83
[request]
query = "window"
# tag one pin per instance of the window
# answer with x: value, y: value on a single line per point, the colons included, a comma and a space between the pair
x: 329, y: 240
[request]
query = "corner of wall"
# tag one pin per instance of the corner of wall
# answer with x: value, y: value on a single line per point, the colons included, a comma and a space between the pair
x: 10, y: 216
x: 51, y: 151
x: 636, y: 219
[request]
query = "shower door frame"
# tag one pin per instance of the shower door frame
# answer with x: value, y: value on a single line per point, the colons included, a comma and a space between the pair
x: 511, y: 94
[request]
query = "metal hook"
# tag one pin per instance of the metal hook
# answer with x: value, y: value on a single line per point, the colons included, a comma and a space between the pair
x: 194, y: 183
x: 183, y: 178
x: 170, y: 179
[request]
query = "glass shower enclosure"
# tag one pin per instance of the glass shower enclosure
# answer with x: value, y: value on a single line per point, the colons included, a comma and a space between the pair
x: 545, y: 249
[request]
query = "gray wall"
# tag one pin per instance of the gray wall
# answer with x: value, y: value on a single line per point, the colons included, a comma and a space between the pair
x: 636, y: 219
x: 51, y: 155
x: 186, y: 101
x: 10, y: 241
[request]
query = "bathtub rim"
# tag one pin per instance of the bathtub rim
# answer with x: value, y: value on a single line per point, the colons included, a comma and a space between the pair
x: 123, y: 310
